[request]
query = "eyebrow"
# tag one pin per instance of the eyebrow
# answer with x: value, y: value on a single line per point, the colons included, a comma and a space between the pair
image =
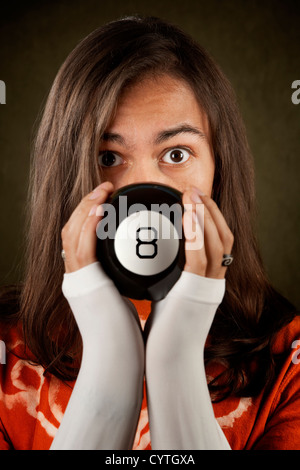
x: 113, y: 137
x: 161, y: 137
x: 181, y: 129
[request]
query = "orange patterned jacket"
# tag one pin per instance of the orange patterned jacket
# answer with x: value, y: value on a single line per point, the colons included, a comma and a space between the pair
x: 32, y: 405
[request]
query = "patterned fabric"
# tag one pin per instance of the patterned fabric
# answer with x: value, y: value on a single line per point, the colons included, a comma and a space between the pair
x: 32, y: 405
x: 142, y: 436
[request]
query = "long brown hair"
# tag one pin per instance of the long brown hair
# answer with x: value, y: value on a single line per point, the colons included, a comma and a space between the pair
x: 80, y: 105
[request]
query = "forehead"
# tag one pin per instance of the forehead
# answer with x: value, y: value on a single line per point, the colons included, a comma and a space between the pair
x: 158, y: 101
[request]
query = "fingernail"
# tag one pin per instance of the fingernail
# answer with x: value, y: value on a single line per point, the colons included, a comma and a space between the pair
x: 93, y: 210
x: 198, y: 191
x: 99, y: 211
x: 195, y: 197
x: 97, y: 191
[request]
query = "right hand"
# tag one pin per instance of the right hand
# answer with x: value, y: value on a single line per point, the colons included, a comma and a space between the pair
x: 110, y: 381
x: 79, y: 234
x: 79, y: 239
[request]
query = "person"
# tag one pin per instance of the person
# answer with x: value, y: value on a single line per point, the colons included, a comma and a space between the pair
x: 216, y: 365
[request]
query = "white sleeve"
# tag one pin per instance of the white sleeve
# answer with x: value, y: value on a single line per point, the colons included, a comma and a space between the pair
x: 104, y: 407
x: 181, y: 415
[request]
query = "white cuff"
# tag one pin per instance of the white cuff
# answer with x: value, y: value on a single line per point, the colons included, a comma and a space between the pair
x: 84, y: 280
x: 199, y: 289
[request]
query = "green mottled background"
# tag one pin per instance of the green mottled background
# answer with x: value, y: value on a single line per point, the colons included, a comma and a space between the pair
x: 257, y: 43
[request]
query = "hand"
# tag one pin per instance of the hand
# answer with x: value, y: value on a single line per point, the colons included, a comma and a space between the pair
x: 176, y: 333
x: 79, y: 234
x: 103, y: 410
x: 218, y: 238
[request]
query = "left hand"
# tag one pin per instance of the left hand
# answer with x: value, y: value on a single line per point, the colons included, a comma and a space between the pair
x: 218, y: 238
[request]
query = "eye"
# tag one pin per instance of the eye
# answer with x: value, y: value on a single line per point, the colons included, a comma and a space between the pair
x: 176, y: 156
x: 108, y: 159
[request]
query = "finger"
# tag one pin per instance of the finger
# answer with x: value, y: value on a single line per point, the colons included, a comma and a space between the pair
x: 213, y: 247
x: 224, y: 231
x: 72, y: 230
x: 86, y: 249
x: 97, y: 196
x: 195, y: 255
x: 84, y: 252
x: 73, y: 227
x: 218, y: 238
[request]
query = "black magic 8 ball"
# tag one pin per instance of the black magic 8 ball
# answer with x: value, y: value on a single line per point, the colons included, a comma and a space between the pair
x: 140, y: 241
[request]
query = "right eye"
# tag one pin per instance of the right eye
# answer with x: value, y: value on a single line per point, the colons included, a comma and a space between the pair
x: 108, y: 159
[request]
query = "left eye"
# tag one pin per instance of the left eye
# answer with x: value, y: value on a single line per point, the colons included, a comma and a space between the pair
x: 108, y: 159
x: 176, y: 156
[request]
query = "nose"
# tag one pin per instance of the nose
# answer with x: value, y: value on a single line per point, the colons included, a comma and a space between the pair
x: 143, y: 172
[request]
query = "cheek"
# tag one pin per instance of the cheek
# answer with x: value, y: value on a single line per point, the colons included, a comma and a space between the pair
x: 113, y: 176
x: 205, y: 182
x: 201, y: 176
x: 205, y: 175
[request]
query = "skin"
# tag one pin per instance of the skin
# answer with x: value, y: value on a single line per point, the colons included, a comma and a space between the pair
x: 155, y: 117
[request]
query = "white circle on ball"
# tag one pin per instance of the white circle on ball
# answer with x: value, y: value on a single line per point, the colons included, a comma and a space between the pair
x: 146, y: 243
